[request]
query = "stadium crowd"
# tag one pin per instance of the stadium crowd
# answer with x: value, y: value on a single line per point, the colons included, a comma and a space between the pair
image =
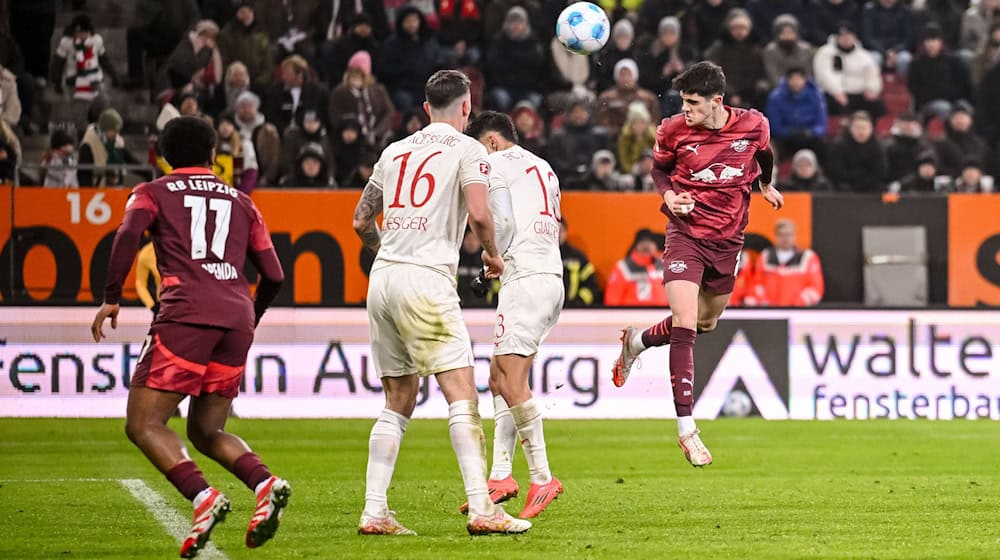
x: 862, y: 97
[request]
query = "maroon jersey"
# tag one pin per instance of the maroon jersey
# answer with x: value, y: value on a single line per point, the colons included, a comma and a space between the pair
x: 717, y: 167
x: 202, y: 231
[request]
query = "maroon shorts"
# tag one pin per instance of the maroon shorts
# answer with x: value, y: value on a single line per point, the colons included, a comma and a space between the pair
x: 709, y: 263
x: 193, y: 359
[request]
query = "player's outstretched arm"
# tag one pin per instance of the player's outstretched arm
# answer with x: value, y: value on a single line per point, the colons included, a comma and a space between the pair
x: 368, y: 208
x: 123, y: 251
x: 481, y: 221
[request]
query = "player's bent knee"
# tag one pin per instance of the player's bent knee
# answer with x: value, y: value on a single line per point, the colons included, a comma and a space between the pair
x: 132, y: 432
x: 707, y: 325
x: 201, y: 439
x: 138, y: 431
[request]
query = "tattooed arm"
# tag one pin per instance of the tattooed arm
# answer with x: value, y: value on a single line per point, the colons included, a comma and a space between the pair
x: 367, y: 209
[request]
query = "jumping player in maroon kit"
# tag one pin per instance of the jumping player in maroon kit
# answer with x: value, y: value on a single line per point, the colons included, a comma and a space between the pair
x: 707, y: 159
x: 203, y: 231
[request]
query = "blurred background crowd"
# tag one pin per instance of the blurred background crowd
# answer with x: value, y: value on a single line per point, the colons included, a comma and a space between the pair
x: 870, y: 96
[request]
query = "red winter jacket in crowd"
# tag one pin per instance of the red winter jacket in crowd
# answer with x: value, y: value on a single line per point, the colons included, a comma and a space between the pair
x: 796, y: 283
x: 637, y: 280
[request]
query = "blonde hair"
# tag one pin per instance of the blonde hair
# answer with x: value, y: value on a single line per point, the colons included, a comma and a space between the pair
x: 296, y: 62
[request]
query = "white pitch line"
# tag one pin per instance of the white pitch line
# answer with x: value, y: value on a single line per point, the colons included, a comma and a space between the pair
x: 168, y: 517
x: 55, y: 480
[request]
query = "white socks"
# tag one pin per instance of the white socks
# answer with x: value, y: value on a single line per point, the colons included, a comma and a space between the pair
x: 685, y: 425
x: 383, y: 448
x: 635, y: 344
x: 528, y: 420
x: 504, y: 438
x: 468, y: 441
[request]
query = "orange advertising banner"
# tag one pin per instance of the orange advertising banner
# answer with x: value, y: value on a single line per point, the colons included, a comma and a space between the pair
x: 973, y: 250
x: 603, y: 225
x: 63, y: 238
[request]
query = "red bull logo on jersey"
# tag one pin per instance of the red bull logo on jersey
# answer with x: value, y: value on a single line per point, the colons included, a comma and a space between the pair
x: 717, y: 172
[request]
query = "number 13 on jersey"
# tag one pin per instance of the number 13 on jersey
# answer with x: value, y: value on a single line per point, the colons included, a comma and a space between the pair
x: 546, y: 184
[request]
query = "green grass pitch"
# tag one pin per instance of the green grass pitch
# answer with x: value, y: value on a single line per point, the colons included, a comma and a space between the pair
x: 877, y: 489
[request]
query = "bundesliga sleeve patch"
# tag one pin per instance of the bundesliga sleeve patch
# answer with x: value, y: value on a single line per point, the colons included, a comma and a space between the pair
x: 484, y: 168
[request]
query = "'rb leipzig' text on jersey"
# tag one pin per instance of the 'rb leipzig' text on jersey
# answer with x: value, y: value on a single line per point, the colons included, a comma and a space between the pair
x: 202, y: 230
x: 717, y: 167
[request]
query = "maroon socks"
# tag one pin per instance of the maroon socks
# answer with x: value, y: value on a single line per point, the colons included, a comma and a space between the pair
x: 658, y: 334
x: 250, y: 470
x: 682, y: 368
x: 187, y: 478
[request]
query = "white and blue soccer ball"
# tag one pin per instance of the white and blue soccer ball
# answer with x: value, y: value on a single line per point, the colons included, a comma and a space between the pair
x: 737, y: 405
x: 583, y: 28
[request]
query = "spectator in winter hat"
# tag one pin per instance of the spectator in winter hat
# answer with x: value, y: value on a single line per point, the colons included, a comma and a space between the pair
x: 348, y: 146
x: 960, y: 142
x: 797, y: 113
x: 103, y: 145
x: 612, y: 105
x: 311, y: 170
x: 407, y: 58
x: 742, y: 61
x: 59, y: 163
x: 786, y: 51
x: 848, y: 74
x: 335, y: 55
x: 514, y: 64
x: 661, y: 60
x: 806, y: 174
x: 856, y: 161
x: 936, y: 78
x: 972, y: 179
x: 604, y: 175
x: 571, y: 146
x: 308, y: 129
x: 638, y: 134
x: 622, y: 45
x: 906, y: 141
x: 923, y: 177
x: 360, y: 95
x: 530, y: 128
x: 241, y: 39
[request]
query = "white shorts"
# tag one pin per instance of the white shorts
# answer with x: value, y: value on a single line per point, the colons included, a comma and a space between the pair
x: 415, y: 322
x: 528, y: 309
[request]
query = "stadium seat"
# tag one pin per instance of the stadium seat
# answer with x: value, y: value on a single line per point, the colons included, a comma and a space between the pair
x: 833, y: 126
x: 884, y: 125
x: 895, y: 94
x: 935, y: 128
x: 784, y: 171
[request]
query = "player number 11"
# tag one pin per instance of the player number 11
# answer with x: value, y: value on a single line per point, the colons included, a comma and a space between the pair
x: 199, y: 236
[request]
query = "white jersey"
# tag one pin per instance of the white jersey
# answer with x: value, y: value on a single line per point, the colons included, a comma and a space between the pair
x: 534, y: 195
x: 422, y: 178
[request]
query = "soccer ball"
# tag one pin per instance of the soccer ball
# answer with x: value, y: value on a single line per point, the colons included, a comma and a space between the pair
x: 737, y: 405
x: 583, y: 28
